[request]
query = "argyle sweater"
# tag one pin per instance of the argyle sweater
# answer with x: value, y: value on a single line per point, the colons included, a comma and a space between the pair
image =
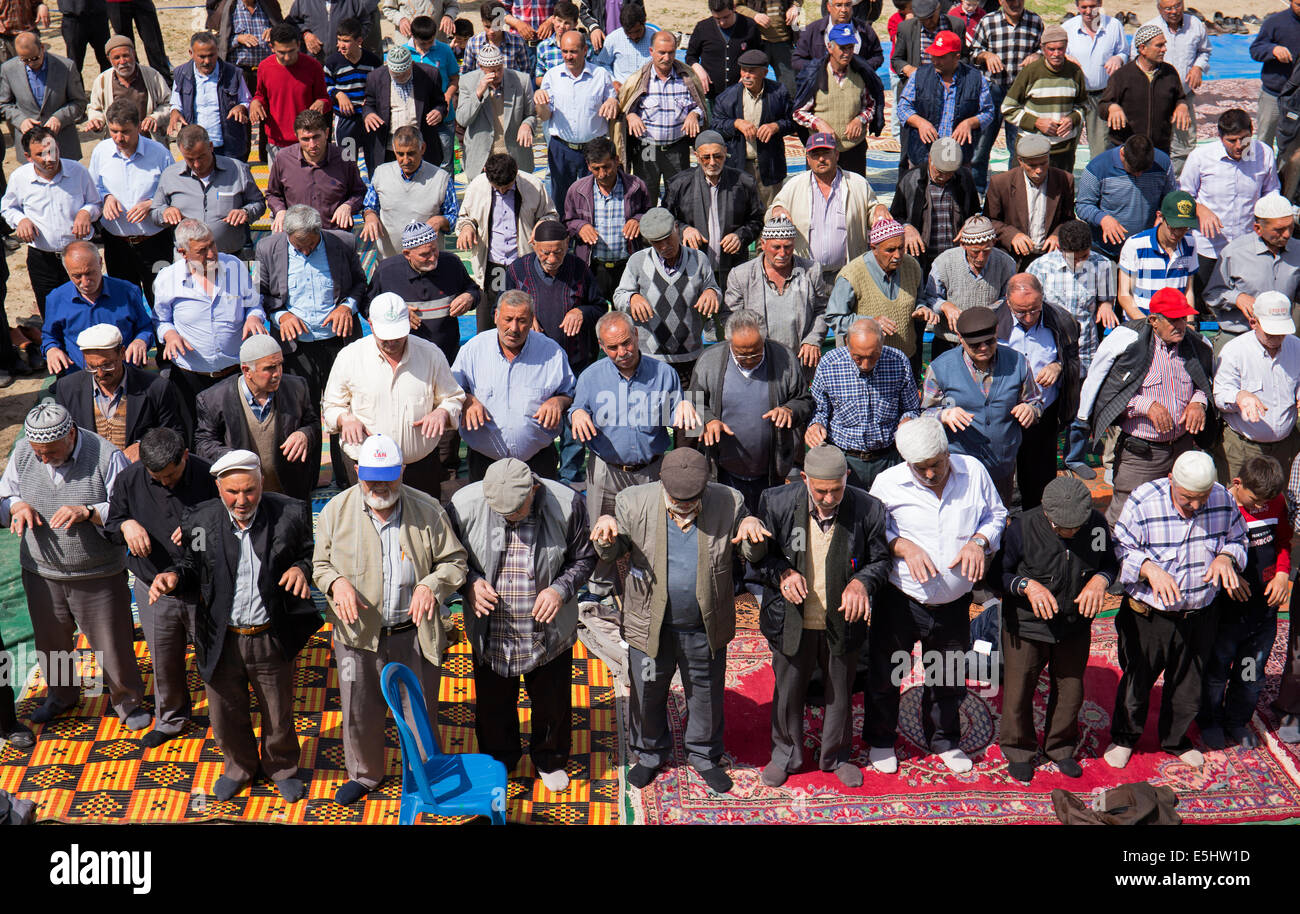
x: 673, y: 333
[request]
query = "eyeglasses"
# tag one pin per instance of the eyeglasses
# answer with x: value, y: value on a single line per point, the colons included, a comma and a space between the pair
x: 32, y: 59
x: 982, y: 344
x: 104, y: 369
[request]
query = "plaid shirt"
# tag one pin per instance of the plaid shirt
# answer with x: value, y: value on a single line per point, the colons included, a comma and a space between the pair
x: 515, y: 641
x: 548, y: 56
x: 860, y: 410
x: 665, y: 106
x: 1012, y: 43
x: 1151, y: 529
x: 1168, y: 383
x: 532, y: 12
x: 254, y: 23
x: 944, y: 219
x: 1078, y: 291
x: 608, y: 213
x: 514, y: 48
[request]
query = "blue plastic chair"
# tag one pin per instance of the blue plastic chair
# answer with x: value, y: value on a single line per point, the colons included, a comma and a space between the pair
x: 432, y: 782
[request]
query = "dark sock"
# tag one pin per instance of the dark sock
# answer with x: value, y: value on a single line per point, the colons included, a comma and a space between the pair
x: 292, y: 789
x: 1021, y: 771
x: 225, y: 788
x: 717, y: 780
x: 641, y: 775
x: 349, y: 793
x: 1070, y: 767
x: 155, y: 738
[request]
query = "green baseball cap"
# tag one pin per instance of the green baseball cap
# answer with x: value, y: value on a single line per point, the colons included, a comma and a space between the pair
x: 1179, y: 210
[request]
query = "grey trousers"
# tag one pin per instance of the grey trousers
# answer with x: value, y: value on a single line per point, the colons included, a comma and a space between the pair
x: 703, y: 680
x: 253, y: 660
x: 1095, y: 124
x: 604, y: 482
x: 790, y: 690
x: 365, y: 712
x: 101, y: 609
x: 1183, y: 141
x: 168, y: 630
x: 1132, y: 469
x: 1266, y: 129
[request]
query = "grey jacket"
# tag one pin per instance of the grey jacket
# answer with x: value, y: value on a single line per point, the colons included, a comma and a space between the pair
x: 65, y: 98
x: 232, y: 186
x: 475, y: 115
x: 273, y: 271
x: 794, y: 319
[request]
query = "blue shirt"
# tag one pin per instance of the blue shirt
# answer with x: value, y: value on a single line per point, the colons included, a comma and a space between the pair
x: 259, y: 410
x: 576, y: 101
x: 907, y: 105
x: 1151, y: 269
x: 860, y: 411
x: 610, y: 216
x: 130, y: 180
x: 1038, y: 346
x: 67, y: 313
x: 511, y: 392
x: 440, y: 55
x: 623, y: 56
x: 36, y: 79
x: 630, y: 414
x: 212, y: 324
x: 1092, y: 51
x: 311, y: 292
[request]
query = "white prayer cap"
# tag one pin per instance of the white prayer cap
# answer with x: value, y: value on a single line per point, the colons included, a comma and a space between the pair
x: 921, y: 439
x: 1273, y: 206
x: 99, y: 336
x: 257, y: 346
x: 1194, y: 471
x: 235, y: 461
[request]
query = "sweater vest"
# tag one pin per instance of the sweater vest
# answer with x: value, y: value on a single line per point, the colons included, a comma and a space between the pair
x: 839, y: 103
x: 112, y: 429
x: 814, y: 605
x: 993, y: 437
x: 263, y: 434
x: 402, y: 202
x: 873, y: 303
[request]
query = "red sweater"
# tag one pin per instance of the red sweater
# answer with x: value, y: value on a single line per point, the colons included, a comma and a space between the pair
x: 1269, y: 539
x: 285, y: 92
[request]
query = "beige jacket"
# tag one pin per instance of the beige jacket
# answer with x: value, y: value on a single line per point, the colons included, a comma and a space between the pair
x: 347, y: 546
x: 859, y: 202
x: 534, y: 206
x: 160, y: 98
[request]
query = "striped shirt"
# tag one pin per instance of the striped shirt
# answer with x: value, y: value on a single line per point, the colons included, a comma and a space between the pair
x: 246, y: 22
x: 1151, y: 268
x: 861, y: 410
x: 608, y: 214
x: 1150, y: 529
x: 1167, y: 383
x: 664, y: 107
x: 342, y: 75
x: 1079, y: 291
x: 1011, y: 43
x: 1041, y: 92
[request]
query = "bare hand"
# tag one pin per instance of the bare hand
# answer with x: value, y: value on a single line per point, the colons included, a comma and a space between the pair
x: 714, y: 431
x: 163, y: 584
x: 588, y: 234
x: 1024, y: 414
x: 793, y: 586
x: 925, y: 130
x: 635, y: 125
x: 291, y: 326
x: 342, y: 216
x: 780, y: 416
x: 1041, y: 600
x: 814, y: 435
x: 971, y: 560
x: 423, y: 605
x: 751, y: 529
x: 1194, y: 418
x: 352, y: 430
x: 1111, y: 230
x: 956, y: 419
x: 56, y: 360
x: 685, y: 417
x: 912, y: 242
x: 855, y: 602
x: 572, y: 322
x: 551, y: 413
x: 1049, y: 375
x: 708, y: 303
x: 295, y: 447
x: 1182, y: 117
x: 68, y: 515
x: 252, y: 326
x: 693, y: 237
x: 476, y: 415
x: 1222, y: 572
x: 582, y: 426
x: 1092, y: 598
x: 340, y: 320
x: 730, y: 244
x: 1162, y: 583
x: 239, y: 113
x: 372, y: 122
x: 1107, y: 317
x: 345, y: 600
x: 546, y: 605
x: 604, y: 531
x: 137, y: 538
x: 111, y: 208
x: 434, y: 424
x: 1115, y: 118
x: 692, y: 123
x: 1252, y: 407
x: 295, y: 582
x: 461, y: 304
x: 81, y: 227
x: 918, y: 561
x: 809, y: 355
x: 1210, y: 226
x: 1275, y: 592
x: 466, y: 238
x: 175, y: 345
x: 483, y: 597
x: 236, y: 216
x: 1022, y: 244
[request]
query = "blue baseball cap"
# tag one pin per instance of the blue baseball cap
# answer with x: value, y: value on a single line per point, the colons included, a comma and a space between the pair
x: 842, y: 34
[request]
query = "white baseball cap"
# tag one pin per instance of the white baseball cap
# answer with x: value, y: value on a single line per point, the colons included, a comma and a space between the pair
x: 389, y: 317
x: 1273, y: 311
x: 380, y: 460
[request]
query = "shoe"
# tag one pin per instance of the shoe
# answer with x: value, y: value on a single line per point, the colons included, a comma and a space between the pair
x: 292, y: 789
x: 349, y: 793
x: 226, y: 788
x: 958, y: 762
x: 1244, y: 737
x: 640, y: 776
x: 1069, y: 767
x: 1021, y: 771
x: 883, y: 759
x: 773, y: 775
x: 850, y: 775
x: 5, y: 378
x: 1192, y: 757
x: 717, y: 780
x: 20, y: 737
x: 1082, y: 470
x: 138, y: 719
x: 556, y: 781
x: 1213, y: 738
x: 1289, y: 731
x: 47, y: 712
x: 1118, y: 756
x: 155, y: 738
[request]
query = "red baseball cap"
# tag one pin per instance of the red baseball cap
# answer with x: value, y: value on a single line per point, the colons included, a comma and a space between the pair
x: 1171, y: 303
x: 945, y: 42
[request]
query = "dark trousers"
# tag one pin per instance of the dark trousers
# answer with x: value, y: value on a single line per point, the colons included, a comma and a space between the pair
x: 567, y: 166
x: 168, y: 630
x: 1137, y: 461
x: 1204, y: 273
x: 1234, y: 675
x: 350, y: 134
x: 1022, y: 663
x: 1176, y: 644
x: 89, y: 29
x: 138, y: 258
x: 791, y: 674
x: 572, y: 454
x: 545, y: 463
x: 608, y: 274
x: 1036, y: 459
x: 250, y: 79
x: 898, y: 623
x: 493, y: 285
x: 425, y: 474
x: 651, y: 162
x: 750, y: 489
x: 496, y: 713
x: 188, y: 386
x: 46, y: 273
x: 703, y: 680
x: 312, y: 362
x: 854, y: 159
x: 144, y: 16
x: 862, y: 473
x: 1063, y: 160
x: 253, y: 660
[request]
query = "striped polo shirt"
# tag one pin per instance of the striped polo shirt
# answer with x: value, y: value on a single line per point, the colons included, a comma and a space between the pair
x: 1151, y: 269
x: 342, y: 75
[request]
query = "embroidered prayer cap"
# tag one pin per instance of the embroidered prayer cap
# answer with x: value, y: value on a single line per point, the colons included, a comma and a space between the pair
x: 399, y: 59
x: 977, y: 230
x: 418, y: 233
x: 1273, y: 206
x: 490, y: 56
x: 46, y: 423
x: 1145, y: 34
x: 779, y: 228
x: 884, y: 229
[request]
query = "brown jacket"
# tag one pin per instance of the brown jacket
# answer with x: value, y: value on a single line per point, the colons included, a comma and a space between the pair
x: 635, y: 87
x: 1007, y: 203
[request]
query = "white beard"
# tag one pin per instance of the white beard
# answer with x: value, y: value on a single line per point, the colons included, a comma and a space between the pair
x: 381, y: 503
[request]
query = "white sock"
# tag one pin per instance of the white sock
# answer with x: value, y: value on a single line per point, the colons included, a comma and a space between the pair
x: 1192, y: 757
x: 1118, y: 756
x: 883, y: 760
x: 556, y: 781
x: 957, y: 761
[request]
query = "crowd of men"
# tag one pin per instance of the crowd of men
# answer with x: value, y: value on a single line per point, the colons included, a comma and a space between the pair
x: 650, y: 385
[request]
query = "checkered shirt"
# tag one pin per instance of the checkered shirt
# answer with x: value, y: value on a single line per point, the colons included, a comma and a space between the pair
x: 548, y: 56
x: 514, y: 48
x: 1012, y: 43
x: 1151, y: 529
x: 945, y: 221
x: 861, y: 411
x: 927, y: 39
x: 609, y: 223
x: 532, y: 12
x: 1152, y: 269
x: 1079, y: 292
x: 515, y: 641
x: 664, y: 107
x: 254, y: 23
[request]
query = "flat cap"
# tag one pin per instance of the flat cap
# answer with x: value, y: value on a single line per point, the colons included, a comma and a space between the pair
x: 975, y: 325
x: 47, y: 422
x: 1067, y: 502
x: 257, y: 346
x: 684, y: 473
x: 1033, y: 146
x: 237, y: 461
x: 825, y: 462
x: 99, y: 336
x: 924, y: 9
x: 657, y: 224
x: 506, y: 485
x: 753, y: 58
x: 417, y: 234
x: 119, y: 41
x: 399, y: 59
x: 946, y: 154
x: 709, y: 138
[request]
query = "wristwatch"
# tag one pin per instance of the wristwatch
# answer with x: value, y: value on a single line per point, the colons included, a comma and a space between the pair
x: 981, y: 540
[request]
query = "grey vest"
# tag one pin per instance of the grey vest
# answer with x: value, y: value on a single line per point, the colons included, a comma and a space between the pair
x: 403, y: 202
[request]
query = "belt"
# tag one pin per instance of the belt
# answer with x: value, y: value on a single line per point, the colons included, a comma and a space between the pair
x: 631, y: 467
x: 223, y: 373
x: 866, y: 455
x: 576, y: 147
x: 135, y: 239
x: 398, y: 628
x: 610, y: 264
x: 1146, y: 609
x: 249, y: 630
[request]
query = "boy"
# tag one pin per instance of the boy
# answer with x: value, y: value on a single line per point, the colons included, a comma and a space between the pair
x: 1247, y: 625
x: 548, y: 50
x: 345, y: 80
x: 426, y: 49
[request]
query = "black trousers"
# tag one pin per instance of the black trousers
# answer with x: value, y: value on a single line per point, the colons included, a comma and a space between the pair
x: 791, y: 674
x: 1022, y: 664
x: 425, y: 474
x: 496, y: 713
x: 136, y: 258
x: 188, y: 386
x: 88, y: 29
x: 650, y: 162
x: 144, y: 16
x: 1036, y: 459
x: 8, y: 711
x: 1176, y: 644
x: 545, y: 463
x: 855, y: 159
x: 862, y: 473
x: 493, y: 285
x: 608, y: 274
x: 312, y: 362
x: 46, y: 273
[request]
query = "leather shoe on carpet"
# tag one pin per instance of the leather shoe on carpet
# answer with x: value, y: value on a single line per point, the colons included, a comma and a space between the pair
x: 47, y: 712
x: 640, y: 776
x: 155, y: 738
x: 349, y: 793
x: 717, y: 780
x: 774, y: 775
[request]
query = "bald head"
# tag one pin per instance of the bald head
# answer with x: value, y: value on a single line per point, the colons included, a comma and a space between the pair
x: 864, y: 328
x: 85, y: 269
x: 27, y: 43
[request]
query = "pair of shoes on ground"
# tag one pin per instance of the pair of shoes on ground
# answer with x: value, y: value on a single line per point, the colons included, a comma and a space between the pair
x: 18, y: 736
x: 883, y: 760
x: 716, y: 779
x: 849, y: 774
x: 1024, y: 771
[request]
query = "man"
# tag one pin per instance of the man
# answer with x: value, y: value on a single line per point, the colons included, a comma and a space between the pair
x: 1267, y: 259
x: 917, y: 33
x: 1189, y: 54
x: 1167, y: 621
x: 123, y: 14
x: 405, y: 191
x: 668, y: 289
x: 946, y: 97
x: 1145, y: 96
x: 318, y: 21
x: 512, y: 47
x: 1152, y: 379
x: 1120, y: 192
x: 518, y: 384
x: 529, y: 555
x: 786, y: 291
x: 831, y: 208
x: 679, y: 612
x: 501, y: 210
x: 1257, y: 385
x: 754, y: 118
x: 627, y: 49
x: 1162, y: 257
x: 945, y: 520
x: 811, y: 46
x: 206, y: 305
x: 402, y: 93
x: 1056, y: 562
x: 1226, y: 179
x: 19, y: 17
x: 862, y: 394
x: 386, y: 558
x: 1096, y: 42
x: 54, y: 495
x: 391, y: 383
x: 933, y: 201
x: 1276, y: 46
x: 49, y: 203
x: 986, y: 395
x: 403, y: 13
x: 286, y: 85
x: 84, y: 25
x: 497, y: 109
x: 717, y: 207
x: 40, y: 89
x: 843, y: 98
x: 972, y: 275
x: 217, y: 191
x: 140, y: 86
x: 1029, y: 202
x: 753, y: 404
x: 828, y: 565
x: 434, y: 283
x: 582, y: 102
x: 716, y: 45
x: 663, y: 105
x: 1003, y: 44
x: 248, y: 557
x: 314, y: 172
x: 1048, y: 338
x: 1048, y: 99
x: 118, y: 400
x: 144, y: 514
x: 778, y: 29
x: 346, y: 71
x: 127, y: 168
x: 603, y: 213
x: 87, y: 299
x: 243, y: 30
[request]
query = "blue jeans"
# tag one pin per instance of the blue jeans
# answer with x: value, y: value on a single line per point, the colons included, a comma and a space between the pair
x: 1076, y: 449
x: 984, y: 149
x: 1234, y: 676
x: 572, y: 452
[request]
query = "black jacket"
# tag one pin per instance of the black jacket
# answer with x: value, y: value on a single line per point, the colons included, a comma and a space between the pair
x: 151, y: 402
x: 223, y: 427
x: 427, y: 89
x: 1148, y: 104
x: 739, y: 210
x: 137, y: 496
x: 776, y: 109
x: 810, y: 46
x: 282, y: 539
x: 1065, y: 333
x: 720, y: 57
x: 857, y: 551
x: 911, y: 203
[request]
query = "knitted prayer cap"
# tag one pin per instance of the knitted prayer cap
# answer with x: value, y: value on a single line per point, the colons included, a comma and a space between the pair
x: 399, y: 59
x: 779, y: 228
x: 257, y: 346
x: 1195, y: 472
x: 977, y: 230
x: 884, y: 229
x: 417, y: 234
x: 709, y: 138
x: 490, y: 56
x: 1145, y: 34
x: 825, y: 462
x: 46, y: 423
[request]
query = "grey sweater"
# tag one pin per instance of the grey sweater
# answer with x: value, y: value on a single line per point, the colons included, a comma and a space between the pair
x: 673, y: 333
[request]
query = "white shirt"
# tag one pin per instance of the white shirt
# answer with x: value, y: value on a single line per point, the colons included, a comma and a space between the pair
x: 390, y: 401
x: 939, y: 525
x: 51, y: 205
x: 1037, y: 212
x: 1244, y: 364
